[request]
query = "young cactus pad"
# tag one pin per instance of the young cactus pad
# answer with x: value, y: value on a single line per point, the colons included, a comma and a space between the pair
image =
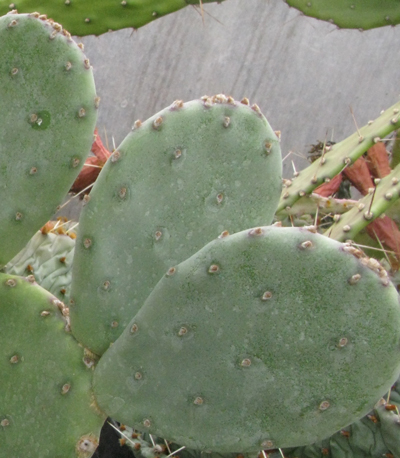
x: 48, y: 256
x: 46, y: 125
x: 370, y: 207
x: 352, y: 14
x: 87, y: 17
x: 46, y: 403
x: 337, y: 157
x: 271, y: 337
x: 177, y: 181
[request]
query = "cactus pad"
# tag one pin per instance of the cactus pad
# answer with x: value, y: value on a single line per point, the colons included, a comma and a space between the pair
x: 94, y: 17
x: 48, y: 256
x: 271, y: 337
x: 352, y: 14
x: 378, y: 200
x: 175, y: 183
x: 46, y: 132
x: 339, y: 156
x: 46, y: 403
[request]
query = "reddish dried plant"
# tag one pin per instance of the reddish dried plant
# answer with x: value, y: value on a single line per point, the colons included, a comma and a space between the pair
x: 93, y: 165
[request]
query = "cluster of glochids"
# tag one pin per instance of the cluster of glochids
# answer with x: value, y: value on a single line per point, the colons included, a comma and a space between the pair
x: 195, y: 318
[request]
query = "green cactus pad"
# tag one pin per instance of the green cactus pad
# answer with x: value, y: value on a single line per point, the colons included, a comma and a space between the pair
x: 385, y: 193
x: 338, y: 156
x: 46, y: 130
x: 351, y: 14
x: 176, y: 182
x: 46, y: 403
x: 94, y: 17
x: 271, y: 337
x: 48, y: 256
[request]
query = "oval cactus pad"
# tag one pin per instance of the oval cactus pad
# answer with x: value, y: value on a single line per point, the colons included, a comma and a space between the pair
x: 46, y: 402
x: 94, y: 17
x: 177, y: 181
x: 46, y: 126
x: 351, y: 14
x: 271, y: 337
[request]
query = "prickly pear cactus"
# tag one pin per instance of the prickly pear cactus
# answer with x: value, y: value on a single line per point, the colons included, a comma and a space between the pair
x: 46, y: 403
x: 46, y: 132
x: 339, y: 156
x: 271, y: 337
x: 385, y: 192
x: 177, y: 181
x: 89, y: 17
x: 353, y: 14
x: 48, y: 256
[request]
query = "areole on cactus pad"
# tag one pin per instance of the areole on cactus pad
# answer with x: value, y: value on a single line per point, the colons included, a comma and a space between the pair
x: 271, y: 337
